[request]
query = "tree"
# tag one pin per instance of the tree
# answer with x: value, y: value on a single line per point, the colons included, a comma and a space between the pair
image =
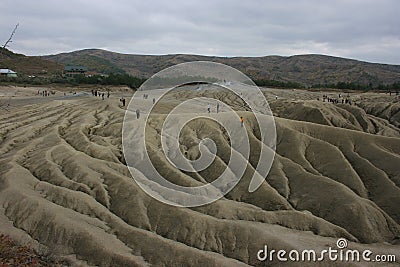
x: 11, y: 36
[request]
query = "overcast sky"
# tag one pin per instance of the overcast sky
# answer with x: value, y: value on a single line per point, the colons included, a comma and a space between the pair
x: 361, y: 29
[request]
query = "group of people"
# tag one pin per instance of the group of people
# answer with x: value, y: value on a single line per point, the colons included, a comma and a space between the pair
x: 217, y: 111
x: 146, y: 96
x: 338, y: 100
x: 216, y: 107
x: 100, y: 94
x: 44, y: 93
x: 122, y: 100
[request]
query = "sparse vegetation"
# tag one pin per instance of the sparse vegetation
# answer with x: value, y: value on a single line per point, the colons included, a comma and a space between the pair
x: 12, y: 254
x: 278, y: 84
x: 29, y: 66
x: 112, y: 79
x: 356, y: 86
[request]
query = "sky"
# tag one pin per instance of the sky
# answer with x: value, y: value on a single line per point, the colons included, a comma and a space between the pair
x: 361, y: 29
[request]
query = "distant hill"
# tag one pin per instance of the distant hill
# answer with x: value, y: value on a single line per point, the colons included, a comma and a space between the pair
x: 305, y: 69
x: 29, y: 65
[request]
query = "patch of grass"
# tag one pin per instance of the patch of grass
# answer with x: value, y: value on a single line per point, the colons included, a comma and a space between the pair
x: 12, y: 254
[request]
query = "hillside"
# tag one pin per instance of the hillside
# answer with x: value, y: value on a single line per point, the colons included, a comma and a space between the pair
x: 305, y: 69
x: 28, y: 65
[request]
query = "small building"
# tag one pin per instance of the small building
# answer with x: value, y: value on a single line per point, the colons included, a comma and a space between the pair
x: 8, y: 73
x: 74, y: 70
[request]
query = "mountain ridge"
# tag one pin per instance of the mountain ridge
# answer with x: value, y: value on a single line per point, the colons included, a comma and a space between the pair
x: 308, y: 69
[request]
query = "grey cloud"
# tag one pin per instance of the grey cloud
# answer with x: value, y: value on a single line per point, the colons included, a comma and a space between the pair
x: 366, y: 30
